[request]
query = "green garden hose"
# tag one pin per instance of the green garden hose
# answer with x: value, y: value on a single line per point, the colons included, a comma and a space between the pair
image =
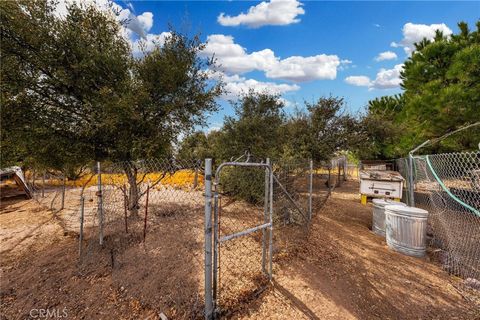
x: 454, y: 197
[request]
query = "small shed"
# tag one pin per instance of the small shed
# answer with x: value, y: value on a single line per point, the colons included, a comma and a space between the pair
x: 13, y: 182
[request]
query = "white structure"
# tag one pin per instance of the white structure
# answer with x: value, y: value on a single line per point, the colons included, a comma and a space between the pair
x: 381, y: 184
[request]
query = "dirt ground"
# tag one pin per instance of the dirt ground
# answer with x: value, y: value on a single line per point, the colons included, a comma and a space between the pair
x: 341, y: 270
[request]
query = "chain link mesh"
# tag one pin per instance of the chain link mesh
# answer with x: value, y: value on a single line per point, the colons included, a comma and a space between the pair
x: 242, y: 204
x: 159, y: 203
x: 167, y: 233
x: 299, y: 189
x: 448, y: 186
x: 62, y: 195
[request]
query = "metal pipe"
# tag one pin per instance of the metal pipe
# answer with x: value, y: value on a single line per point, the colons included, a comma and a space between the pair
x: 339, y: 181
x: 419, y: 147
x: 411, y: 197
x: 63, y: 192
x: 288, y: 196
x: 243, y: 232
x: 125, y: 206
x: 208, y: 240
x: 310, y: 191
x: 146, y: 214
x: 215, y: 247
x: 43, y: 185
x: 265, y: 219
x: 100, y: 202
x: 80, y: 238
x: 239, y: 164
x: 271, y: 221
x: 411, y: 180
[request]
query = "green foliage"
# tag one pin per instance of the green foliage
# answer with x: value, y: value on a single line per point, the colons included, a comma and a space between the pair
x: 169, y: 94
x: 244, y: 183
x: 329, y: 129
x: 255, y: 129
x: 71, y: 90
x: 194, y: 147
x: 261, y: 128
x: 442, y: 93
x: 60, y: 79
x: 379, y: 128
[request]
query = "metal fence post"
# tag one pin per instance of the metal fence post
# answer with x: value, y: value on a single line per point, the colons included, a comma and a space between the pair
x: 195, y: 178
x: 146, y: 214
x: 34, y: 177
x: 63, y: 192
x: 411, y: 197
x: 208, y: 240
x: 271, y: 223
x: 100, y: 202
x: 43, y: 185
x: 339, y: 181
x: 329, y: 182
x: 80, y: 238
x: 310, y: 191
x: 265, y: 217
x: 125, y: 205
x: 215, y: 246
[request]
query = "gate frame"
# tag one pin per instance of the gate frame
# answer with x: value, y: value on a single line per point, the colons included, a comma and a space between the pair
x: 211, y: 276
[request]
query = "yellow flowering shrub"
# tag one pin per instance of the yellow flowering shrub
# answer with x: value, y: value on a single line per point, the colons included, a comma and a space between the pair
x: 182, y: 179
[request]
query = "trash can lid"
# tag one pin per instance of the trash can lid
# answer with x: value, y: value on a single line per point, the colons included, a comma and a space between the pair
x: 407, y: 211
x: 386, y: 202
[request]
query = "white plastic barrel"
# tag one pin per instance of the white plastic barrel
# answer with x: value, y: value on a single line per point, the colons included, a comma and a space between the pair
x: 406, y: 229
x: 378, y: 216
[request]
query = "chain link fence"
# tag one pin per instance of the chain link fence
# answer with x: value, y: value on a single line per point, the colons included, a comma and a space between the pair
x: 301, y: 187
x: 448, y: 186
x: 63, y: 196
x: 241, y: 247
x: 242, y: 253
x: 153, y: 211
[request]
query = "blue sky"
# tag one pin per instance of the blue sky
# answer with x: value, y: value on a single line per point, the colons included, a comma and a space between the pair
x: 335, y: 45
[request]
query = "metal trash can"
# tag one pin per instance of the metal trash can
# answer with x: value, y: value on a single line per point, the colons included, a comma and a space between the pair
x: 378, y: 216
x: 406, y: 229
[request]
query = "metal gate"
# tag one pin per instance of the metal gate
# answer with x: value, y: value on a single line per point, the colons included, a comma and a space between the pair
x: 238, y: 235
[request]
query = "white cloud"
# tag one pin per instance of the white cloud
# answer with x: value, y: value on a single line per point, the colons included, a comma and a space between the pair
x: 275, y: 12
x: 387, y: 55
x: 140, y: 24
x: 359, y: 81
x: 388, y: 78
x: 148, y: 43
x: 346, y: 64
x: 134, y: 29
x: 233, y: 58
x: 214, y: 127
x: 413, y: 33
x: 236, y: 88
x: 288, y: 104
x: 385, y: 79
x: 236, y: 85
x: 301, y: 69
x: 146, y: 20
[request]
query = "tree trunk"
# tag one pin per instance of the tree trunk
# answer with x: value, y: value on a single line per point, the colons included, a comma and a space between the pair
x: 133, y: 196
